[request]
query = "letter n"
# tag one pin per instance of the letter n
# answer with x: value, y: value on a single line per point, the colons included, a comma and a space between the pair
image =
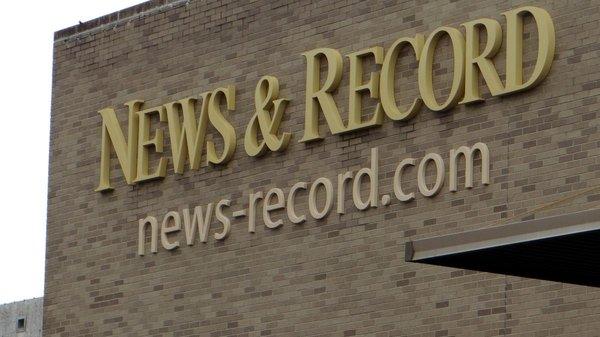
x: 143, y: 223
x: 126, y: 152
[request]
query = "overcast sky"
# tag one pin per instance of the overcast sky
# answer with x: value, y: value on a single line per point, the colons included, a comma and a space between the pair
x: 26, y: 37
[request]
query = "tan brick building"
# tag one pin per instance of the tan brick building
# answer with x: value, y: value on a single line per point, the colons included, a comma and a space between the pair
x: 345, y: 274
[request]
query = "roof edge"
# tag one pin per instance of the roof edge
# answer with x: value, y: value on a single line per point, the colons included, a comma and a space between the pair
x: 21, y: 301
x: 114, y: 17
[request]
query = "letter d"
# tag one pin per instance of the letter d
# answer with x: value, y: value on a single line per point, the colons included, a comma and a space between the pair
x: 514, y: 48
x: 373, y: 174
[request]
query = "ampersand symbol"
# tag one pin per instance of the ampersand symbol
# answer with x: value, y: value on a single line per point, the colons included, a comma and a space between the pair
x: 266, y: 99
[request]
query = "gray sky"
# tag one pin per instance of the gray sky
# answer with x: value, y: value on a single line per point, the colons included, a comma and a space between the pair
x: 26, y: 37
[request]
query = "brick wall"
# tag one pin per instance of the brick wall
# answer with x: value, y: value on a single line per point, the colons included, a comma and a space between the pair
x: 344, y: 275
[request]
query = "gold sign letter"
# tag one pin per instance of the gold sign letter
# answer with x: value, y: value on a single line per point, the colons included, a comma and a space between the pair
x: 189, y: 139
x: 220, y: 123
x: 514, y: 48
x: 126, y: 153
x: 265, y: 99
x: 426, y: 69
x: 388, y: 99
x: 321, y: 97
x: 145, y: 143
x: 357, y: 87
x: 483, y: 60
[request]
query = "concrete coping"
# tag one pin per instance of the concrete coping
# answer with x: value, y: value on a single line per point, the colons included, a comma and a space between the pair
x: 115, y: 17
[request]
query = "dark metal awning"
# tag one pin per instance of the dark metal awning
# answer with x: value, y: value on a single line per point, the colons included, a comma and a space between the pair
x: 564, y: 248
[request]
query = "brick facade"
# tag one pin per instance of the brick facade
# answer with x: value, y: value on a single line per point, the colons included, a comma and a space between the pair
x: 344, y: 275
